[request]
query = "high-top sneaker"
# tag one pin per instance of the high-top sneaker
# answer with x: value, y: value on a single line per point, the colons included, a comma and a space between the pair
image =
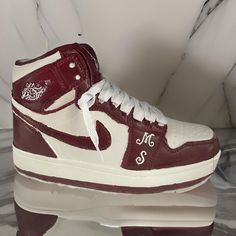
x: 73, y: 127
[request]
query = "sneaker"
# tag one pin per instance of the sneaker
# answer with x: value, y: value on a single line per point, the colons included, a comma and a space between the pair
x: 74, y: 127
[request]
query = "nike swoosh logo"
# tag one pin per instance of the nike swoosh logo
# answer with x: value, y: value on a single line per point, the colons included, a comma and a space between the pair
x: 83, y: 142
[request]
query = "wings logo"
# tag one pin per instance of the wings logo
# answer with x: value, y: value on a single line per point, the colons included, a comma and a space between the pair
x: 33, y: 91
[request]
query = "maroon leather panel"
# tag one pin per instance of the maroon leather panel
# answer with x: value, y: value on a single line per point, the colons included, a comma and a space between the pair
x: 162, y: 156
x: 168, y: 231
x: 57, y: 78
x: 77, y: 141
x: 111, y: 188
x: 29, y: 139
x: 45, y: 79
x: 33, y: 224
x: 189, y: 153
x: 68, y: 74
x: 146, y: 150
x: 86, y: 66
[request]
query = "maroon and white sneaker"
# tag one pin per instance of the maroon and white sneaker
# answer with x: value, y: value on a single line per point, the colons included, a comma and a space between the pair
x: 73, y: 127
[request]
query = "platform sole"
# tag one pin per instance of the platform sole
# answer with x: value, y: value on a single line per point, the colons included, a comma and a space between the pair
x: 99, y: 177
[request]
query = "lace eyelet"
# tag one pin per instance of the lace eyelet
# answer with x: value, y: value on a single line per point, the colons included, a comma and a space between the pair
x: 77, y: 77
x: 72, y: 65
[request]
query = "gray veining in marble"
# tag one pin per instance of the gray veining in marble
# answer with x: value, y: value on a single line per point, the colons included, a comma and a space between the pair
x: 207, y: 9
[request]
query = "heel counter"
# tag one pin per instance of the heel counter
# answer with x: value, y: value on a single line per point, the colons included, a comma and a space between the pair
x: 28, y: 139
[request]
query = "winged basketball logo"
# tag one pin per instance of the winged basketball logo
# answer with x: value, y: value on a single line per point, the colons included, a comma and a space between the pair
x: 33, y: 91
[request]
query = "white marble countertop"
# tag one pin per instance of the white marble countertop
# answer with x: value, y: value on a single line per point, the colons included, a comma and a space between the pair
x: 224, y: 180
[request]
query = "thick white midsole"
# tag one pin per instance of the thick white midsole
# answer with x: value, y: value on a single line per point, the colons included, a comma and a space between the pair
x: 86, y: 172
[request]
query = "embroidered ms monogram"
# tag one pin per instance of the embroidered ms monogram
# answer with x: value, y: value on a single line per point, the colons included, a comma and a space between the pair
x: 147, y: 139
x: 33, y: 91
x: 141, y: 159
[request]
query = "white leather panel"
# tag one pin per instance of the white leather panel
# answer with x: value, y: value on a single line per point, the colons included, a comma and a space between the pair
x: 66, y: 98
x: 179, y: 132
x: 20, y: 71
x: 70, y: 120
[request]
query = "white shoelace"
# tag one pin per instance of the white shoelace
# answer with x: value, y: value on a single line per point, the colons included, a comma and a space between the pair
x: 106, y: 91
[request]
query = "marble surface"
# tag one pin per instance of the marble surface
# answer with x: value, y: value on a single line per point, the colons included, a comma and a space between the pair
x: 224, y: 181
